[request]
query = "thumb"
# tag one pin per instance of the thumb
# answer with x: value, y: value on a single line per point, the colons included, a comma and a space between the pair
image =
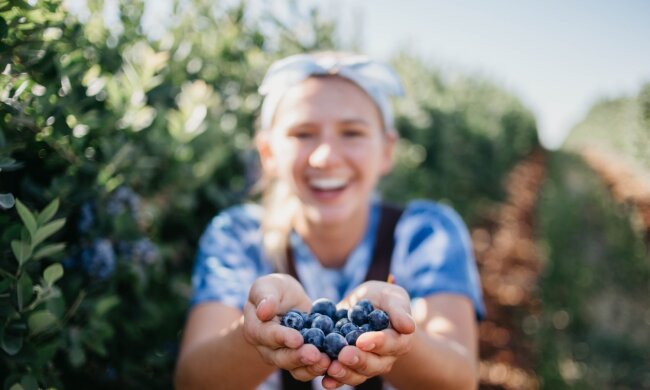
x: 265, y: 295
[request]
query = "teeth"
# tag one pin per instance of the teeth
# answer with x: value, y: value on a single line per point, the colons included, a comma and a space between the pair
x: 328, y: 184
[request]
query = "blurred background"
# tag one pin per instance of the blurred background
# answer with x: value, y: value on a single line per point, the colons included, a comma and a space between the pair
x: 126, y: 125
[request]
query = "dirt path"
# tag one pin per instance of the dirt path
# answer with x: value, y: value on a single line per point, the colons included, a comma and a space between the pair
x: 509, y: 265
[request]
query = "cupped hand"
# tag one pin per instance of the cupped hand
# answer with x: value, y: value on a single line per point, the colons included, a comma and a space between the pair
x: 271, y: 296
x: 375, y: 352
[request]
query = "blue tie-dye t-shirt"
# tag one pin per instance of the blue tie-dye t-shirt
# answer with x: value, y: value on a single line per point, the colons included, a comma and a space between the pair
x: 432, y: 254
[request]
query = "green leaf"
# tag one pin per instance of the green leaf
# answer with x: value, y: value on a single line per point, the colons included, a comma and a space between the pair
x: 11, y: 344
x: 21, y: 250
x: 40, y: 321
x: 16, y: 386
x: 7, y: 201
x: 24, y: 290
x: 76, y: 356
x: 48, y: 212
x: 29, y: 382
x: 27, y: 217
x: 48, y: 250
x: 4, y: 284
x: 3, y: 33
x: 44, y: 232
x: 105, y: 304
x: 52, y: 274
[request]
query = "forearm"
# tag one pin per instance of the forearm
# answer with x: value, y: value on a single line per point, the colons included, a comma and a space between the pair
x: 438, y: 363
x: 226, y: 361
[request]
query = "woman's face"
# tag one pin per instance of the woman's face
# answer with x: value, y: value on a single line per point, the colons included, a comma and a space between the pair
x: 328, y: 144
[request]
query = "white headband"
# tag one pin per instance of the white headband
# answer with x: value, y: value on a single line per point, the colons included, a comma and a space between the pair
x: 377, y: 79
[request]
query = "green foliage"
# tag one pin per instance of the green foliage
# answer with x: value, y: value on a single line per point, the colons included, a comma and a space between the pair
x: 621, y: 125
x: 31, y: 304
x: 142, y: 140
x: 592, y: 331
x: 460, y: 137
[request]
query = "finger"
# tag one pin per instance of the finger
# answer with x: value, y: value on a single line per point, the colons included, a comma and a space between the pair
x: 346, y: 375
x: 291, y: 359
x: 357, y: 365
x: 330, y: 383
x: 311, y: 371
x: 386, y: 342
x: 395, y: 302
x: 273, y: 335
x: 264, y: 295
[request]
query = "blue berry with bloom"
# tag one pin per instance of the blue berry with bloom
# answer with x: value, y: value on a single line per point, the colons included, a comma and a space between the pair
x: 352, y: 337
x: 98, y: 261
x: 358, y: 315
x: 340, y: 314
x: 366, y: 305
x: 324, y: 323
x: 310, y: 318
x: 314, y: 336
x: 86, y: 217
x: 333, y: 344
x: 145, y: 252
x: 347, y: 328
x: 341, y: 322
x: 324, y: 306
x: 292, y: 320
x: 122, y: 200
x: 378, y: 320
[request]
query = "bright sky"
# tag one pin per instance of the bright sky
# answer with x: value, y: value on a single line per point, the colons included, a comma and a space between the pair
x: 558, y: 56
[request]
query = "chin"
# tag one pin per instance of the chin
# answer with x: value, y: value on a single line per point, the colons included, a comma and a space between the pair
x: 329, y: 215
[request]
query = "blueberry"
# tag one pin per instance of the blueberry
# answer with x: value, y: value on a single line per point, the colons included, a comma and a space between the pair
x: 303, y: 332
x: 323, y: 323
x: 324, y: 306
x: 352, y: 337
x: 292, y: 320
x: 365, y: 328
x: 367, y: 305
x: 314, y: 336
x: 333, y: 344
x: 378, y: 320
x: 310, y: 318
x: 340, y: 314
x: 341, y: 322
x: 347, y: 328
x: 358, y: 315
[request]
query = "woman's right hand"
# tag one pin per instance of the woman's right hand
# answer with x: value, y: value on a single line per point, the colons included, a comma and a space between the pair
x: 271, y: 296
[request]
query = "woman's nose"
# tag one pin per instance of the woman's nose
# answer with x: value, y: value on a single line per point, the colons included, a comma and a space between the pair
x: 325, y: 154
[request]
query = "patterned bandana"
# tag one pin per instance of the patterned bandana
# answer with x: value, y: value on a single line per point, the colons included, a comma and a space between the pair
x: 377, y: 79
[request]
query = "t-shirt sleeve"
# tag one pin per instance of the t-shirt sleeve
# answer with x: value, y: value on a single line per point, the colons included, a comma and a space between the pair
x: 228, y: 259
x: 433, y: 253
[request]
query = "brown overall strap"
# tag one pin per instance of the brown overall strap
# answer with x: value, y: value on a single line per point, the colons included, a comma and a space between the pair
x: 379, y: 269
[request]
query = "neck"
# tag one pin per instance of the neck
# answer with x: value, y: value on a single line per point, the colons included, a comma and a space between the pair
x: 333, y: 243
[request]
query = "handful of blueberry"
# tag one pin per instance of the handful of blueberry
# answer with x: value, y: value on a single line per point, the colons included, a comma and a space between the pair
x: 330, y: 330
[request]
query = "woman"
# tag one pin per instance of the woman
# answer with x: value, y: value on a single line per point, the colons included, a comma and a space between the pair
x: 325, y: 140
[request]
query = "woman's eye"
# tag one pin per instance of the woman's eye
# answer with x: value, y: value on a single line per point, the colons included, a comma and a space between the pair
x: 301, y: 134
x: 352, y: 133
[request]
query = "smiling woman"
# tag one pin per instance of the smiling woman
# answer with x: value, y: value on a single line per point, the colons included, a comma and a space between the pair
x: 326, y: 138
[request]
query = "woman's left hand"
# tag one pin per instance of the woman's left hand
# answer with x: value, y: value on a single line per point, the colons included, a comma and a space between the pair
x: 375, y: 352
